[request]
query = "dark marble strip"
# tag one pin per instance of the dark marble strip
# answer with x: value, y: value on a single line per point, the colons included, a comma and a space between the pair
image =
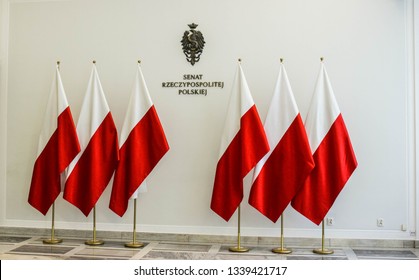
x: 13, y: 239
x: 315, y: 258
x: 398, y: 254
x: 82, y: 257
x: 246, y: 256
x: 38, y: 249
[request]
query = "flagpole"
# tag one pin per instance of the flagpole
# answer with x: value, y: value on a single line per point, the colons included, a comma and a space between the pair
x: 134, y: 243
x: 238, y: 248
x: 282, y: 250
x: 94, y: 241
x: 52, y: 240
x: 322, y: 250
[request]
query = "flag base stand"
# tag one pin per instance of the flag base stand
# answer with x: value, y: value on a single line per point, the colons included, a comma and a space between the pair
x: 238, y: 248
x: 94, y: 241
x: 53, y: 239
x: 322, y: 250
x: 134, y: 243
x: 282, y: 250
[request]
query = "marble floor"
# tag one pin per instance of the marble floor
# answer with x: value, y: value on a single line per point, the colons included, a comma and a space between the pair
x: 28, y: 248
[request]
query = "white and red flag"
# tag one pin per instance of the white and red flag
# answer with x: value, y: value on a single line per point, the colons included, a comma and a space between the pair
x: 57, y: 147
x: 282, y: 171
x: 243, y: 144
x: 143, y: 143
x: 332, y: 150
x: 90, y: 172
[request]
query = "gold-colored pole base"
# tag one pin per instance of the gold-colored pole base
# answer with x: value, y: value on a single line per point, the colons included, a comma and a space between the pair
x: 280, y: 250
x: 52, y: 241
x: 238, y: 249
x: 323, y: 251
x: 134, y: 244
x: 94, y: 242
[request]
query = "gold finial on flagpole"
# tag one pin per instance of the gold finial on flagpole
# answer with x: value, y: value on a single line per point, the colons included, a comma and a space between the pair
x: 321, y: 59
x: 139, y: 61
x: 94, y: 61
x: 240, y: 60
x: 281, y: 60
x: 58, y: 63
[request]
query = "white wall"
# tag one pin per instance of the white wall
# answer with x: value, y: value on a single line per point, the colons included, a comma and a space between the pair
x: 365, y: 46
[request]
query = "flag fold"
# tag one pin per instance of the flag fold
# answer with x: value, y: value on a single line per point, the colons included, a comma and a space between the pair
x: 143, y: 143
x: 243, y: 144
x: 282, y: 171
x: 332, y: 150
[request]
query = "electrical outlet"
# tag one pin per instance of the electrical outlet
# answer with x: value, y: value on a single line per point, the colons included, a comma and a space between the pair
x: 330, y: 221
x: 380, y: 222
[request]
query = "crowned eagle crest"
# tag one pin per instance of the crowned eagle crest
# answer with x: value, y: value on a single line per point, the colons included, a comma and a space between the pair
x: 192, y: 44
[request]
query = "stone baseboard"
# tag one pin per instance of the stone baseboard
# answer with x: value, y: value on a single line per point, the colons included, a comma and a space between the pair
x: 211, y: 239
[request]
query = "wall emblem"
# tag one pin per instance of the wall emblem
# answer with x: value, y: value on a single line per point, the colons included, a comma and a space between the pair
x: 193, y: 44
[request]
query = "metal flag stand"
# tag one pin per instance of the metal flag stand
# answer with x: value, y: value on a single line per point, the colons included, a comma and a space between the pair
x: 134, y: 243
x: 53, y: 239
x: 238, y: 248
x: 322, y: 250
x: 94, y: 241
x: 282, y: 250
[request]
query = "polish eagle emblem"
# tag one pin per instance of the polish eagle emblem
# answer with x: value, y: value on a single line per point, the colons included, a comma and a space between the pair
x: 192, y: 43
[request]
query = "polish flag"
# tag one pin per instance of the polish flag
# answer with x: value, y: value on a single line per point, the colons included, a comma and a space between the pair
x: 243, y: 144
x: 57, y: 147
x: 283, y: 170
x: 90, y: 172
x: 143, y: 143
x: 332, y: 150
